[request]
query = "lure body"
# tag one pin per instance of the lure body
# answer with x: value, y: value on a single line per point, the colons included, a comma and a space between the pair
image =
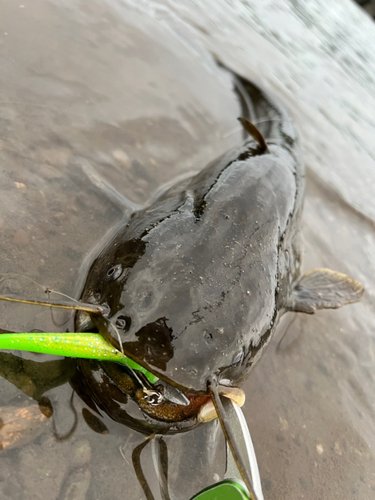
x: 82, y: 345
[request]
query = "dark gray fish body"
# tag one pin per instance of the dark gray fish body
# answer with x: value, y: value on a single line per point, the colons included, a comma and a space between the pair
x: 195, y: 283
x: 203, y: 271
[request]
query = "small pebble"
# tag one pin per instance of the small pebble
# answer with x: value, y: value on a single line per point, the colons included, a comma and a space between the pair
x: 20, y: 425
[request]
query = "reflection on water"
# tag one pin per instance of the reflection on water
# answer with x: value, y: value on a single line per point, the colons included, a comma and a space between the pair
x: 102, y: 99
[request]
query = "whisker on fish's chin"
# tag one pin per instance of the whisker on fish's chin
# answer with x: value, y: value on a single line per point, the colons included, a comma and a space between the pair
x: 46, y: 289
x: 49, y: 290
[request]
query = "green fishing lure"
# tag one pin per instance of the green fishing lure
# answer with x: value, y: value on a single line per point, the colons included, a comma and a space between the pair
x: 71, y: 345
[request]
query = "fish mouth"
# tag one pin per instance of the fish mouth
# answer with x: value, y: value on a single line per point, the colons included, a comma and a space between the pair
x: 162, y: 401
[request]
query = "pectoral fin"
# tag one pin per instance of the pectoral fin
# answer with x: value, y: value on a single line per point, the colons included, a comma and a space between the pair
x: 324, y: 289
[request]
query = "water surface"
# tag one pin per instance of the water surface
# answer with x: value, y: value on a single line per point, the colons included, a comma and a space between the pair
x: 101, y: 103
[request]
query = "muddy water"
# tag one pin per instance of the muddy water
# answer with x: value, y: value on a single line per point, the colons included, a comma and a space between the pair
x: 103, y: 102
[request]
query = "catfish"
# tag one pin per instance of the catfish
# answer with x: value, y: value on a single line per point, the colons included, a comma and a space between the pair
x: 193, y: 285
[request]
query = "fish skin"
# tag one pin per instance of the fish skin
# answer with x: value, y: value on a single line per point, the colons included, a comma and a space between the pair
x: 209, y: 266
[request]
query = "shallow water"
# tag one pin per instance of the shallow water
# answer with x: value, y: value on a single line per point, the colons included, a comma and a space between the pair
x: 101, y: 103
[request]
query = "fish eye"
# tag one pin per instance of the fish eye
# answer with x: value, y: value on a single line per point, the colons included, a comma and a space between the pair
x: 114, y: 272
x: 123, y: 323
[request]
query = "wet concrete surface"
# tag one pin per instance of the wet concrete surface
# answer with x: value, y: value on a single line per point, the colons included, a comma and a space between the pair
x: 101, y: 103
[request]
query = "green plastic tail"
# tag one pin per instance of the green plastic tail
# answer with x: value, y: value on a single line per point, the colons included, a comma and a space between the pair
x: 71, y: 345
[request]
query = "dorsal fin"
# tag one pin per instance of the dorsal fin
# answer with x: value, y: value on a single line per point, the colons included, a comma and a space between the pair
x: 254, y: 132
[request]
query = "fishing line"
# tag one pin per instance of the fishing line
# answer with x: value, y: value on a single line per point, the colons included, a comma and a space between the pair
x: 23, y: 276
x: 54, y: 321
x: 80, y: 306
x: 48, y: 291
x: 118, y: 337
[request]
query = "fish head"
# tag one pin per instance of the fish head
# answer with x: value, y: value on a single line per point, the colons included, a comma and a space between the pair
x: 193, y: 300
